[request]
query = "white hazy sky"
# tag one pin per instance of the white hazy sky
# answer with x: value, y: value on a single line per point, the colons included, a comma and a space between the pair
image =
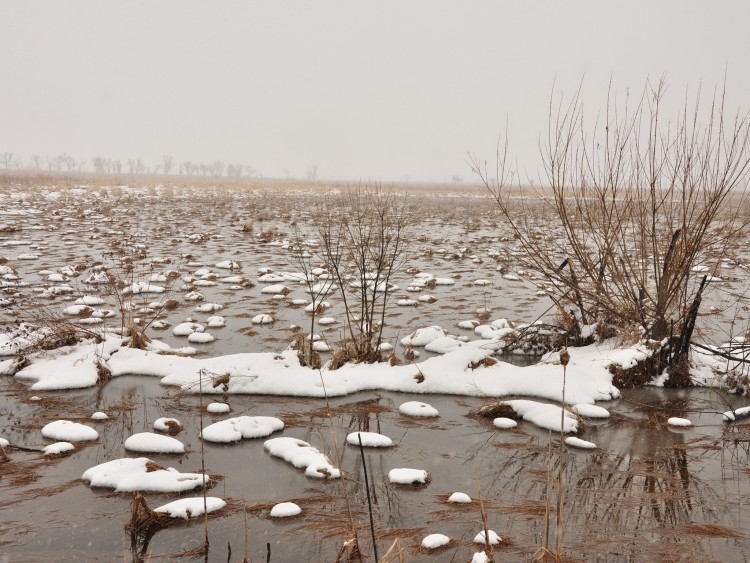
x: 365, y: 90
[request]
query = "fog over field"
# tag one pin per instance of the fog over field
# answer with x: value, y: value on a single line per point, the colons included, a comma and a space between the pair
x: 382, y: 91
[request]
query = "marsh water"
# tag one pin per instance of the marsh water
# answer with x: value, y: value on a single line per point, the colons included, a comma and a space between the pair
x: 649, y: 492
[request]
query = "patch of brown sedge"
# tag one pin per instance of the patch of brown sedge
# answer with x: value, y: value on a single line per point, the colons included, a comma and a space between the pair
x: 712, y: 530
x: 173, y: 427
x: 222, y: 380
x: 138, y: 338
x: 394, y: 360
x: 153, y: 466
x: 495, y: 410
x: 171, y: 304
x: 419, y: 378
x: 487, y: 361
x: 103, y: 373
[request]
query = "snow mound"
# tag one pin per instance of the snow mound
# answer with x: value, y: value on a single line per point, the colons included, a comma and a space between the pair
x: 423, y: 336
x: 433, y: 541
x: 406, y: 476
x: 65, y: 430
x: 99, y: 415
x: 504, y: 423
x: 417, y: 408
x: 677, y: 421
x: 578, y: 443
x: 494, y: 539
x: 126, y: 475
x: 285, y: 510
x: 301, y: 454
x: 58, y: 448
x: 216, y: 408
x: 369, y: 440
x: 200, y: 338
x: 241, y: 427
x: 188, y: 508
x: 459, y: 498
x: 164, y: 424
x: 188, y: 328
x: 148, y: 442
x: 544, y: 415
x: 590, y: 411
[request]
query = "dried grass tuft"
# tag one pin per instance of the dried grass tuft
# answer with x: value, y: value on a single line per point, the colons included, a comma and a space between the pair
x: 485, y: 362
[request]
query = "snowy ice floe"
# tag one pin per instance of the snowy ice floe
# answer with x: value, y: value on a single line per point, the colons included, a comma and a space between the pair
x: 187, y: 508
x: 731, y: 416
x: 369, y: 440
x: 480, y: 557
x: 148, y: 442
x: 165, y: 424
x: 578, y: 443
x: 58, y: 448
x: 275, y: 289
x: 216, y: 408
x: 544, y: 415
x: 419, y: 409
x: 89, y: 300
x: 443, y: 344
x: 423, y: 336
x: 142, y: 287
x: 208, y: 307
x: 187, y: 328
x: 69, y: 367
x: 127, y: 475
x: 677, y: 421
x: 241, y: 428
x: 302, y: 455
x: 216, y: 322
x: 433, y: 541
x: 262, y: 319
x: 492, y: 536
x: 69, y: 431
x: 407, y: 476
x: 228, y: 265
x: 504, y: 423
x: 590, y: 411
x: 459, y: 498
x: 99, y: 416
x: 200, y: 338
x: 285, y: 510
x: 4, y: 443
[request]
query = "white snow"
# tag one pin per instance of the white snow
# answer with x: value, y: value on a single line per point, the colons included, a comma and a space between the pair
x: 200, y: 338
x: 423, y: 336
x: 407, y: 476
x: 262, y: 319
x: 218, y: 408
x: 504, y: 423
x: 191, y: 507
x: 65, y: 430
x: 417, y: 408
x: 369, y: 440
x: 433, y: 541
x: 132, y: 474
x: 241, y: 427
x: 731, y: 416
x: 459, y: 498
x: 302, y: 455
x: 677, y: 421
x: 480, y: 557
x: 148, y: 442
x: 578, y: 443
x: 187, y: 328
x: 58, y: 448
x: 99, y: 415
x: 161, y: 424
x: 590, y: 411
x: 544, y: 415
x: 492, y: 536
x: 285, y: 510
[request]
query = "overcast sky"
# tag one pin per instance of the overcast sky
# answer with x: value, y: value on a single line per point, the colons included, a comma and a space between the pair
x: 365, y: 90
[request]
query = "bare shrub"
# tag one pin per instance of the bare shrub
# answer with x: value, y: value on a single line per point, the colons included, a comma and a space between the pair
x: 364, y: 235
x: 636, y: 205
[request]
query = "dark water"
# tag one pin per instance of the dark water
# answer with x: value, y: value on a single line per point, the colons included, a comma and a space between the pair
x: 645, y: 494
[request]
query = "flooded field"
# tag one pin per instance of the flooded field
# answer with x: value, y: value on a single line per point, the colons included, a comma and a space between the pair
x: 648, y: 491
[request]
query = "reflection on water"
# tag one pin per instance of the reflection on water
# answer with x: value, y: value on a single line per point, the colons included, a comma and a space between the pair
x: 648, y: 493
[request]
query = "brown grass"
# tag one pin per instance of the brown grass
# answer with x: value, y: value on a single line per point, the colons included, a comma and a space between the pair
x: 710, y: 530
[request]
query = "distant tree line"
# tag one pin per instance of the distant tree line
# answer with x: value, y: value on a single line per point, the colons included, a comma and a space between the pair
x: 166, y: 166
